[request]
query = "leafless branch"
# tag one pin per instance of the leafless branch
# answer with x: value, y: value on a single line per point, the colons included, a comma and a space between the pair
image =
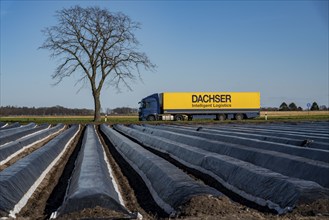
x: 97, y: 43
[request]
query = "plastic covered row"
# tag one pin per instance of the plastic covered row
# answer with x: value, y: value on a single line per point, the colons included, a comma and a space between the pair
x: 314, y: 154
x: 254, y: 183
x: 10, y: 126
x: 169, y: 186
x: 299, y: 128
x: 303, y: 141
x: 2, y: 124
x: 290, y: 165
x: 91, y: 184
x: 284, y: 132
x: 13, y: 136
x: 17, y: 129
x: 13, y: 148
x: 18, y: 181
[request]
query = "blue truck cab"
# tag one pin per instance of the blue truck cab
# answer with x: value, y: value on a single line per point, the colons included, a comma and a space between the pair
x: 149, y: 108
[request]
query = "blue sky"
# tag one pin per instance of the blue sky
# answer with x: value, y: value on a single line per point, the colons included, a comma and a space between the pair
x: 279, y: 48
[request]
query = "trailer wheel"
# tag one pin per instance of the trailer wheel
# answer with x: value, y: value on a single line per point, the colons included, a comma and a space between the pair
x: 179, y: 118
x: 221, y: 117
x: 239, y: 117
x: 150, y: 118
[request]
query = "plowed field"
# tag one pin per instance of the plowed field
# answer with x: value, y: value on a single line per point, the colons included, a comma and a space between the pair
x: 206, y: 171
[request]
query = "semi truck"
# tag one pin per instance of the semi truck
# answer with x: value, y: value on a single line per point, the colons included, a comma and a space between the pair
x: 188, y: 105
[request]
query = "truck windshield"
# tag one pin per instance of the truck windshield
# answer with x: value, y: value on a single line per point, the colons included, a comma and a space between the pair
x: 141, y: 105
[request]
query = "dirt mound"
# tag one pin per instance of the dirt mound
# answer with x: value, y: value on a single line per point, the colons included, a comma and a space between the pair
x: 209, y: 207
x: 95, y: 213
x: 319, y: 208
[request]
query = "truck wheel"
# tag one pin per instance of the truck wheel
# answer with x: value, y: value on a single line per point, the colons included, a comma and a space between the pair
x: 239, y: 117
x: 179, y: 118
x: 150, y: 118
x: 221, y: 117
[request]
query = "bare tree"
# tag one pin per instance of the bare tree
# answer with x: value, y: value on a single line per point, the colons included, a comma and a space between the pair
x: 99, y: 45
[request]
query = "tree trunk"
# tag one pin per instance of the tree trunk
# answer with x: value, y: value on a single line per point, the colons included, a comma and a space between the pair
x: 97, y: 113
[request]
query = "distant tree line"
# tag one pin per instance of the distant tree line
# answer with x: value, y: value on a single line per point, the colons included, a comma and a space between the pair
x: 293, y: 107
x: 55, y: 110
x: 59, y: 110
x: 121, y: 111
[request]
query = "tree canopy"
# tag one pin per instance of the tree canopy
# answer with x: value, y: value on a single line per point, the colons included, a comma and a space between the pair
x: 98, y: 45
x: 284, y: 107
x: 293, y: 107
x: 314, y: 107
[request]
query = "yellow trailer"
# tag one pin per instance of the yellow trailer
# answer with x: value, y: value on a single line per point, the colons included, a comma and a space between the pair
x: 182, y: 105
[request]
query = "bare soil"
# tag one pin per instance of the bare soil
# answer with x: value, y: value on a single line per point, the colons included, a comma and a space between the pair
x: 206, y: 207
x: 210, y: 207
x: 130, y: 197
x: 213, y: 208
x: 125, y: 189
x: 95, y: 213
x: 318, y: 209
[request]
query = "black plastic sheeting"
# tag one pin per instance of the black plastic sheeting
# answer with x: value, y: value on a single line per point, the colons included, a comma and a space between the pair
x: 2, y: 124
x: 91, y: 183
x: 16, y: 130
x: 254, y: 183
x: 10, y: 126
x: 17, y: 179
x: 169, y: 186
x: 12, y: 147
x: 277, y: 138
x: 20, y: 133
x: 314, y: 154
x: 289, y: 165
x: 288, y: 133
x: 315, y: 129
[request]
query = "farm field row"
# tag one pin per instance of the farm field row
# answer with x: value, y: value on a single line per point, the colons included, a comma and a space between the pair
x: 272, y: 116
x: 239, y: 171
x: 293, y: 113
